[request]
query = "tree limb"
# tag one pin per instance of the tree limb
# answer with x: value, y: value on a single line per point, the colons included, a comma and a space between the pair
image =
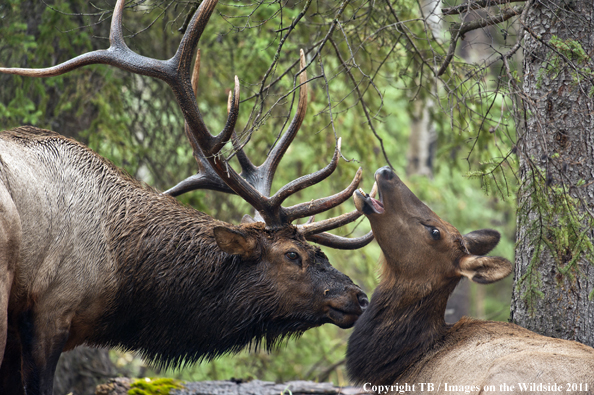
x: 475, y: 6
x: 458, y: 30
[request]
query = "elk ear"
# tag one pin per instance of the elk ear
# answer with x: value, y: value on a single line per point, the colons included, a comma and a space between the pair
x: 234, y: 242
x: 484, y: 269
x: 481, y: 242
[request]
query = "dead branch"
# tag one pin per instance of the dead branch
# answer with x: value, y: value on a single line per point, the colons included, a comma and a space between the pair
x: 475, y: 6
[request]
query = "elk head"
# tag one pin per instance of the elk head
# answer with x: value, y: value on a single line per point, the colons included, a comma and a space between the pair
x: 306, y: 287
x: 419, y: 247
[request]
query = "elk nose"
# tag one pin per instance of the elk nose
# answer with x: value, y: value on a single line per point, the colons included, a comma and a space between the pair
x: 384, y: 172
x: 363, y: 301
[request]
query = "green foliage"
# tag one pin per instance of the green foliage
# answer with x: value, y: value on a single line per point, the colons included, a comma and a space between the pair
x: 158, y: 386
x: 570, y: 48
x: 567, y: 51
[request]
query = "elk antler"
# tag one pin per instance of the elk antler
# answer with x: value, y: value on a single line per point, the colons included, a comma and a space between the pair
x: 260, y: 177
x: 253, y: 185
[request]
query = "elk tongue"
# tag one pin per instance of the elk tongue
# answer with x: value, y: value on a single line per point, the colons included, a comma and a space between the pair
x: 378, y: 206
x: 366, y: 204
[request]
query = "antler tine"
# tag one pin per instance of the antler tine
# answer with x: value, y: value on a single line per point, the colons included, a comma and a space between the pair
x: 323, y: 204
x: 246, y: 164
x: 328, y: 224
x: 287, y: 138
x: 307, y: 180
x: 102, y: 56
x: 196, y: 73
x: 116, y: 35
x: 203, y: 180
x: 222, y: 138
x: 311, y: 227
x: 339, y: 242
x: 118, y: 54
x: 196, y: 26
x: 206, y: 178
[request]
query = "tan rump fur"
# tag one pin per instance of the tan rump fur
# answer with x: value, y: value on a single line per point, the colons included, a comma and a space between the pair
x: 486, y: 353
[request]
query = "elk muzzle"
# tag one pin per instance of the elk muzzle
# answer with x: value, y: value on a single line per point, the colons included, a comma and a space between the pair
x: 343, y: 307
x: 392, y: 193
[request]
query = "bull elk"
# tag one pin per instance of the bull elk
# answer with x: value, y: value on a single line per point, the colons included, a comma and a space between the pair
x: 402, y: 337
x: 90, y: 256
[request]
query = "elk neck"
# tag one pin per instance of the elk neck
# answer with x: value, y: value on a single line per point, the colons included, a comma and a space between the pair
x: 404, y: 321
x: 171, y: 276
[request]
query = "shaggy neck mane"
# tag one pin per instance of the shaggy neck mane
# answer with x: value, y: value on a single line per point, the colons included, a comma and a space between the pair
x: 395, y: 331
x: 180, y: 298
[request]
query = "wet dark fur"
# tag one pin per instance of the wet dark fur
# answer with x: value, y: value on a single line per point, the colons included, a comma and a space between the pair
x: 388, y: 339
x: 208, y: 303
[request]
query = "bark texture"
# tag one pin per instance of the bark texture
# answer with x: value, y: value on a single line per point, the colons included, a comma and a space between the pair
x: 554, y: 267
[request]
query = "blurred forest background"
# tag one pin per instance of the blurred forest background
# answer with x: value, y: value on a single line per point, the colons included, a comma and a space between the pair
x: 373, y: 81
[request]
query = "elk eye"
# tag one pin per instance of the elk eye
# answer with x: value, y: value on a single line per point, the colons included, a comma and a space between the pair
x: 435, y: 233
x: 292, y: 255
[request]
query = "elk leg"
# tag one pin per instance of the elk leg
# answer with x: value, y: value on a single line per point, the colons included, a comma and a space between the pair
x: 7, y: 338
x: 10, y: 243
x: 10, y: 354
x: 10, y: 371
x: 42, y: 346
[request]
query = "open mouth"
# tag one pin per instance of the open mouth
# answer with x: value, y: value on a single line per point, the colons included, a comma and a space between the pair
x: 366, y: 203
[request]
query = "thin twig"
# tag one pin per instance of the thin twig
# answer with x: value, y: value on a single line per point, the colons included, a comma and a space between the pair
x: 363, y: 105
x: 410, y: 40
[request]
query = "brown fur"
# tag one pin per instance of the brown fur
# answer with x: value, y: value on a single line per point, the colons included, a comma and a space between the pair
x: 89, y: 255
x: 402, y: 336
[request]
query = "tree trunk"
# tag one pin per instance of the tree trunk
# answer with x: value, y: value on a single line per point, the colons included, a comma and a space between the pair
x: 422, y: 140
x: 554, y: 273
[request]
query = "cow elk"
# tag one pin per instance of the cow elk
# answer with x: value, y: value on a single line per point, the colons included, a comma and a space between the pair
x: 402, y: 339
x: 90, y: 256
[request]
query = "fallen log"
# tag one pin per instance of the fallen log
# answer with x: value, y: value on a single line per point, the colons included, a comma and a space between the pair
x: 120, y: 386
